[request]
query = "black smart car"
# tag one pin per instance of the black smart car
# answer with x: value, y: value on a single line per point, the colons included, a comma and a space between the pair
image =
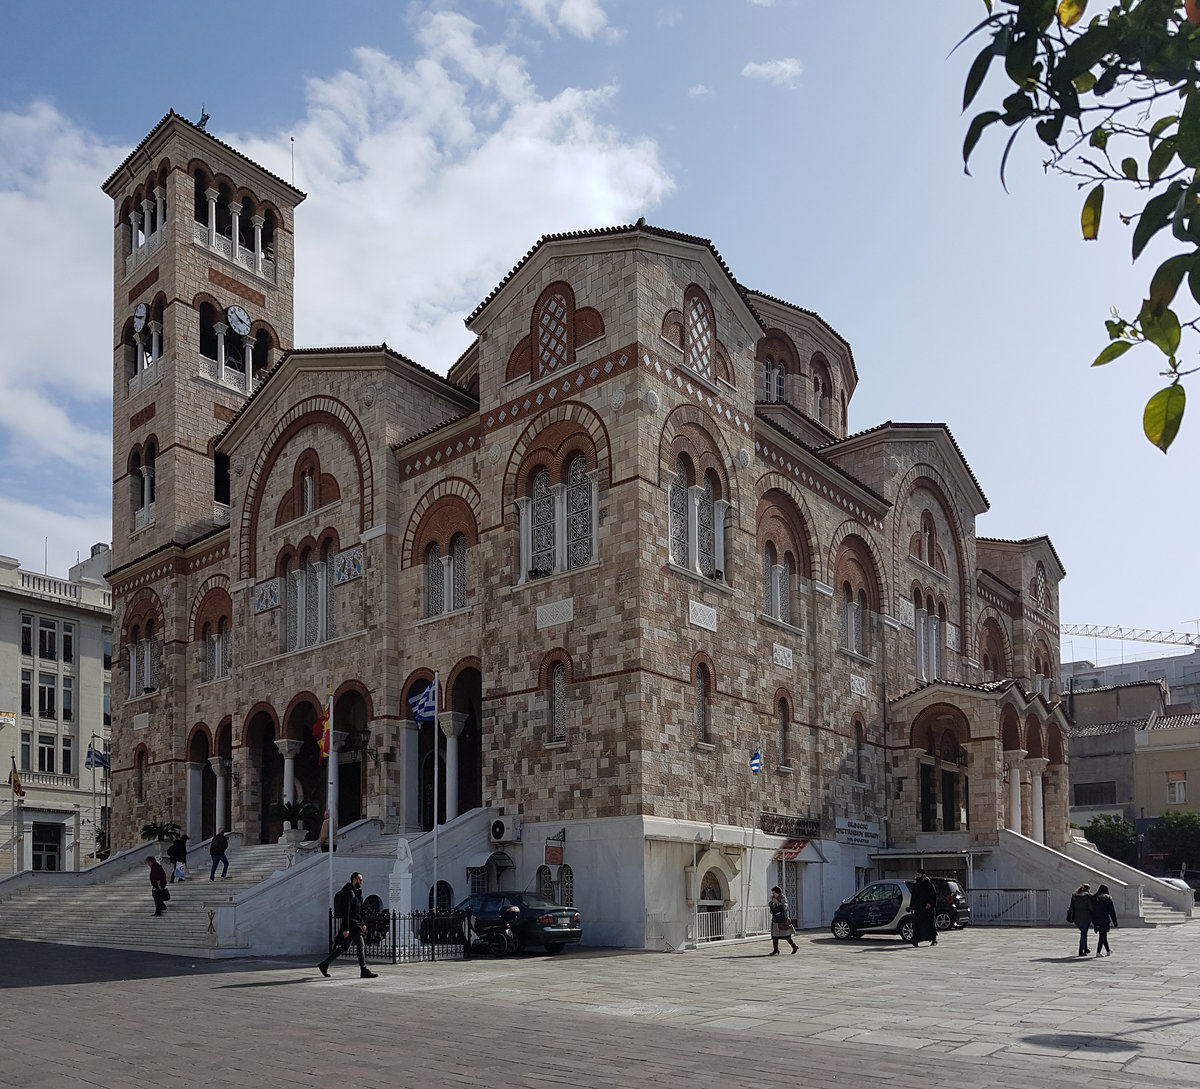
x: 534, y: 919
x: 953, y: 908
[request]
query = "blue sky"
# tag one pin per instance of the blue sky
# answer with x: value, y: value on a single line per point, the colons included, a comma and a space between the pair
x: 816, y: 144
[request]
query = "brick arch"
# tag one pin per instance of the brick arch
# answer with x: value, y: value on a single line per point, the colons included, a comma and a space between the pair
x: 353, y: 685
x: 681, y: 433
x: 300, y: 698
x: 854, y: 529
x: 549, y: 660
x: 990, y: 619
x: 199, y: 730
x: 410, y: 686
x: 1055, y: 749
x: 703, y: 658
x: 932, y: 723
x: 583, y: 421
x: 1010, y: 728
x: 1034, y: 745
x: 438, y: 508
x: 142, y: 606
x: 462, y: 666
x: 926, y: 476
x: 325, y: 488
x: 784, y: 514
x: 262, y: 707
x: 321, y: 409
x: 209, y: 603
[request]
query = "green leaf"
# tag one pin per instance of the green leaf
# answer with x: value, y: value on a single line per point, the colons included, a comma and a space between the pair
x: 1166, y: 280
x: 1160, y: 159
x: 1018, y: 61
x: 1162, y: 330
x: 1129, y: 167
x: 1187, y: 139
x: 1154, y: 218
x: 976, y: 75
x: 1099, y: 138
x: 1049, y: 128
x: 1161, y: 124
x: 978, y: 124
x: 1084, y: 82
x: 1071, y: 11
x: 1089, y: 220
x: 1194, y: 282
x: 1112, y: 351
x: 1163, y: 415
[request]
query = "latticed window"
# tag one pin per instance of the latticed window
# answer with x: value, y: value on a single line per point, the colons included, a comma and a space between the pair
x: 314, y: 592
x: 558, y: 703
x: 699, y: 335
x: 785, y: 746
x: 579, y: 514
x: 543, y: 525
x: 769, y: 579
x: 702, y: 703
x: 860, y: 750
x: 768, y: 379
x: 291, y: 606
x: 330, y: 629
x: 221, y: 657
x: 566, y: 886
x: 851, y: 621
x: 679, y: 515
x: 458, y: 571
x: 786, y: 579
x: 705, y: 532
x: 552, y: 333
x: 433, y: 581
x: 476, y: 879
x: 545, y: 882
x: 209, y: 638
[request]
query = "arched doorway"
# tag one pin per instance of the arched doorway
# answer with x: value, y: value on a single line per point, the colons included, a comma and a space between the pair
x: 308, y: 768
x: 466, y: 698
x: 711, y: 908
x: 265, y: 770
x: 201, y: 788
x: 350, y: 716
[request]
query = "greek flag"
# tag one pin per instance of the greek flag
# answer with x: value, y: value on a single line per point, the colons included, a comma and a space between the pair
x: 756, y: 762
x: 96, y: 759
x: 424, y: 706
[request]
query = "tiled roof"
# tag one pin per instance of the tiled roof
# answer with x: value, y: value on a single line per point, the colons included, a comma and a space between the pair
x: 816, y: 452
x: 1110, y: 687
x: 803, y: 310
x: 1161, y: 722
x: 987, y: 686
x: 1026, y: 541
x: 179, y: 117
x: 430, y: 430
x: 640, y: 227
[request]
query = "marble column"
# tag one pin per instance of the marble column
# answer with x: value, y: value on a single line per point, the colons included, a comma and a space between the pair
x: 451, y: 723
x: 337, y: 738
x: 1037, y: 767
x: 219, y: 766
x: 1013, y: 763
x: 194, y: 801
x: 289, y: 748
x: 408, y: 755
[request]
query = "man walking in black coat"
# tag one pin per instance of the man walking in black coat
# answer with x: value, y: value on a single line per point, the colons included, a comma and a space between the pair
x: 924, y: 908
x: 347, y: 908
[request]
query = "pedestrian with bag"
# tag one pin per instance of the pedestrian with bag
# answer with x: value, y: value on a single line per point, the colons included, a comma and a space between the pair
x: 781, y: 921
x: 158, y: 885
x: 217, y: 847
x: 177, y: 855
x: 1080, y: 913
x: 1104, y: 915
x: 348, y: 911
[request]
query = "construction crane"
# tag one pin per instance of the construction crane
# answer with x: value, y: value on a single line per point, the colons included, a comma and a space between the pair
x: 1136, y: 635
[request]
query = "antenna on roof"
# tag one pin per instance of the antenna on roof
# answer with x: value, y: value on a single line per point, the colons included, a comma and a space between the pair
x: 293, y: 139
x: 203, y: 118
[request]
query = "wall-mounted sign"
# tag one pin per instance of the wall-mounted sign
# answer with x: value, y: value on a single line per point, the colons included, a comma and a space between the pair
x: 554, y: 853
x: 857, y: 833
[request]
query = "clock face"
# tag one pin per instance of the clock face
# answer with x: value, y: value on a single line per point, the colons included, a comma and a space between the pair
x: 139, y: 317
x: 239, y: 320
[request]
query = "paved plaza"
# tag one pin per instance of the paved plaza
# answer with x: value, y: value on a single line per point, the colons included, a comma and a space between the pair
x: 984, y: 1008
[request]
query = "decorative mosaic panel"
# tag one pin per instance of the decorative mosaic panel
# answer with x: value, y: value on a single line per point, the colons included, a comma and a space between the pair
x: 266, y: 596
x: 703, y: 616
x: 782, y: 656
x: 555, y: 612
x: 907, y: 614
x: 858, y: 684
x: 348, y: 565
x: 954, y: 637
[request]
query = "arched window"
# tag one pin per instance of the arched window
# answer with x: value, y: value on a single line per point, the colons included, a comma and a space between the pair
x: 558, y: 520
x: 706, y: 529
x: 434, y: 580
x: 139, y: 776
x: 680, y: 547
x: 543, y: 525
x: 783, y: 719
x: 769, y: 582
x: 703, y: 697
x: 444, y: 900
x: 860, y: 753
x: 308, y: 600
x: 558, y: 702
x: 579, y: 514
x: 458, y: 571
x: 545, y: 883
x: 701, y: 334
x: 852, y: 616
x: 697, y: 522
x: 308, y: 492
x: 566, y: 886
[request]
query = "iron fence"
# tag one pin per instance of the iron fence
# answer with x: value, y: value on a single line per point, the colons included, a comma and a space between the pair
x: 394, y: 937
x: 1010, y: 907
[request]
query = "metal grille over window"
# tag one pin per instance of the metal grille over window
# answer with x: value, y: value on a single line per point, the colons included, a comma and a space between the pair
x: 779, y: 378
x: 329, y: 581
x: 579, y: 514
x: 566, y: 886
x: 210, y: 654
x: 679, y: 516
x: 312, y: 603
x: 785, y: 591
x: 704, y: 532
x: 433, y: 581
x: 700, y: 336
x: 545, y: 883
x: 701, y: 704
x: 458, y: 561
x: 552, y: 339
x: 784, y: 746
x: 558, y: 703
x: 543, y: 525
x: 291, y: 607
x: 768, y: 580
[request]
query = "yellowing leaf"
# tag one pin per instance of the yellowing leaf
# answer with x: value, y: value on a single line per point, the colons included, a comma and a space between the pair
x: 1090, y: 219
x: 1071, y: 11
x: 1163, y: 415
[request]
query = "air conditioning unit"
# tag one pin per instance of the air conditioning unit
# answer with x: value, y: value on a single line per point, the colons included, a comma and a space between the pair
x: 506, y: 830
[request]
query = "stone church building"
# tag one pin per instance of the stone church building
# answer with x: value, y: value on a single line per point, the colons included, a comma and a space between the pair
x: 629, y: 531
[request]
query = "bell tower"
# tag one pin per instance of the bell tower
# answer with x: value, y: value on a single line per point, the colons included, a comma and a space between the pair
x: 203, y: 265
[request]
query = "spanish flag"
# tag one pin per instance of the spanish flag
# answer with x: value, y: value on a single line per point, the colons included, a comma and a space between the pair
x: 321, y: 733
x: 14, y: 781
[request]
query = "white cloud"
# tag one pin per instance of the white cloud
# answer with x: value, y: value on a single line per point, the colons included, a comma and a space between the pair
x: 761, y: 3
x: 428, y: 180
x: 783, y: 72
x: 699, y: 91
x: 582, y: 18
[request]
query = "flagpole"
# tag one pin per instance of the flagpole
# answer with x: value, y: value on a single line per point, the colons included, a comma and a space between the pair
x: 437, y: 761
x: 95, y: 819
x: 753, y: 834
x: 12, y: 790
x: 329, y: 793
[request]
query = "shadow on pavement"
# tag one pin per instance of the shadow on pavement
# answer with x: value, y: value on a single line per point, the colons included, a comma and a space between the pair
x: 1075, y: 1040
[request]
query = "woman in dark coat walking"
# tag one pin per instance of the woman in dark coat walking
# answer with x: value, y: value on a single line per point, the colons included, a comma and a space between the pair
x: 924, y: 908
x: 781, y: 921
x: 177, y: 854
x: 1104, y: 915
x: 1080, y: 913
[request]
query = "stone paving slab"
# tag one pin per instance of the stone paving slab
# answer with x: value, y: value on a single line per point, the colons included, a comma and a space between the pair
x: 984, y: 1009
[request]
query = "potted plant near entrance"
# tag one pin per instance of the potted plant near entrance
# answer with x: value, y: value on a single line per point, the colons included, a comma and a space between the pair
x: 160, y: 832
x: 295, y: 814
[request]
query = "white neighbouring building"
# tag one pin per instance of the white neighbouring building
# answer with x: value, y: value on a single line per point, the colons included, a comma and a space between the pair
x: 55, y: 662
